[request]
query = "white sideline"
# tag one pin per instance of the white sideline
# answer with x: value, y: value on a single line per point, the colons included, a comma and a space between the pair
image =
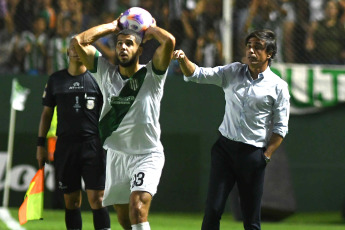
x: 11, y: 223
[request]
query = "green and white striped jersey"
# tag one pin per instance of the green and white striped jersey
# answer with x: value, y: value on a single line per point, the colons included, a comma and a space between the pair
x: 35, y: 59
x: 129, y: 121
x: 57, y: 51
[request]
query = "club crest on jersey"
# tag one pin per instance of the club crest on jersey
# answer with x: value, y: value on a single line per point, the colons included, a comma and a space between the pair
x: 133, y: 84
x: 90, y: 102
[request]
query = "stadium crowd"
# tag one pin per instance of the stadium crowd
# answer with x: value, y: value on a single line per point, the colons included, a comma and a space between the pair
x: 35, y: 34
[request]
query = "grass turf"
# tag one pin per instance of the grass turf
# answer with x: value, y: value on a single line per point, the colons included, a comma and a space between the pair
x: 54, y: 220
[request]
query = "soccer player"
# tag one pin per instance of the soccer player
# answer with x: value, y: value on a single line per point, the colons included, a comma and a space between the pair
x: 129, y: 123
x: 254, y: 125
x: 79, y: 153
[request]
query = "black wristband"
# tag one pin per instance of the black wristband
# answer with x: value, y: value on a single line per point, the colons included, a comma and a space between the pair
x: 41, y: 141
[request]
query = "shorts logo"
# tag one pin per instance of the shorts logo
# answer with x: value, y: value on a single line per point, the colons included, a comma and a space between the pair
x: 61, y: 186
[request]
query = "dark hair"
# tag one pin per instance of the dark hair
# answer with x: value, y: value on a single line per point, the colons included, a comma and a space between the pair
x: 137, y: 36
x: 269, y: 38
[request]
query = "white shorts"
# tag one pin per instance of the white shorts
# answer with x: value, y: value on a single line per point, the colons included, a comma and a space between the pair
x: 127, y: 173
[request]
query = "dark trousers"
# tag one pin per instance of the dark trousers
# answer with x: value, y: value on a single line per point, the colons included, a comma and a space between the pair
x: 235, y: 162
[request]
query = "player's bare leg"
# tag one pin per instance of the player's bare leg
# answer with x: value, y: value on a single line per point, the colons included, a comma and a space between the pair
x: 95, y: 198
x: 122, y: 211
x: 139, y: 206
x: 101, y: 219
x: 73, y: 200
x: 72, y: 213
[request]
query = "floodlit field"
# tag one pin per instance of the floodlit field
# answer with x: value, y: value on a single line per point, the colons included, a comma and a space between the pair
x: 54, y: 220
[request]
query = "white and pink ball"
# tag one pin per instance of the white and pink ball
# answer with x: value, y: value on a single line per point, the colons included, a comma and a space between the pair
x: 137, y: 19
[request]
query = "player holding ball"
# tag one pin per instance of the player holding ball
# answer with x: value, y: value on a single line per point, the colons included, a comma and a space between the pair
x: 129, y: 123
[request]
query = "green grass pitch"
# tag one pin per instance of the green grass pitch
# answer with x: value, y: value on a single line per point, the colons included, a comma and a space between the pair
x: 54, y: 220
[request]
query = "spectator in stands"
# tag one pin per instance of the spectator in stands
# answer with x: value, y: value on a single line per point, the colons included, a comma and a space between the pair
x: 8, y: 40
x: 342, y: 11
x: 239, y: 18
x: 209, y: 50
x: 300, y: 31
x: 122, y: 6
x: 209, y: 14
x: 153, y: 7
x: 183, y: 28
x: 33, y: 45
x: 288, y: 24
x: 77, y: 11
x: 28, y: 8
x: 326, y: 37
x: 266, y: 14
x: 58, y: 46
x: 49, y: 14
x: 189, y: 25
x: 106, y: 44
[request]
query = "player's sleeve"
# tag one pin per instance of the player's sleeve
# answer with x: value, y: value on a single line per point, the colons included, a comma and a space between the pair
x: 48, y: 98
x: 100, y: 66
x: 281, y: 111
x: 159, y: 76
x: 156, y: 72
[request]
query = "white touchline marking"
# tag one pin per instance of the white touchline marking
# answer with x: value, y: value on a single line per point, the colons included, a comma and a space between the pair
x: 11, y: 223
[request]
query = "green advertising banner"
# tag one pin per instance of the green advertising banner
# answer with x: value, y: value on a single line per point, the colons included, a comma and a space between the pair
x: 313, y: 87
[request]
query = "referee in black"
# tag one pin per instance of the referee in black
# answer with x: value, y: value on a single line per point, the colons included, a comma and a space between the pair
x: 79, y: 153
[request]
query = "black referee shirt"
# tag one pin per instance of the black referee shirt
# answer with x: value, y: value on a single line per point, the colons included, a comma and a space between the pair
x: 78, y: 100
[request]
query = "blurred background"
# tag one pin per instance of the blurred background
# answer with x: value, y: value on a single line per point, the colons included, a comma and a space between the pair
x: 307, y: 174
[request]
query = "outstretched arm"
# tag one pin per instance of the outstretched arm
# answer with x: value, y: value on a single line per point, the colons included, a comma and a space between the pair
x: 187, y: 67
x: 163, y: 54
x: 82, y: 42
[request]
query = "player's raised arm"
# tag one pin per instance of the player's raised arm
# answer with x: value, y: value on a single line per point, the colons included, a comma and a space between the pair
x: 163, y: 54
x: 187, y: 67
x: 82, y: 42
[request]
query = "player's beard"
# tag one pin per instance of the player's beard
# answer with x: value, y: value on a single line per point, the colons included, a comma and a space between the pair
x: 128, y: 63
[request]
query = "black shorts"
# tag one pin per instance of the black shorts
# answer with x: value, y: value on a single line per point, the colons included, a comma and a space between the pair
x: 76, y: 159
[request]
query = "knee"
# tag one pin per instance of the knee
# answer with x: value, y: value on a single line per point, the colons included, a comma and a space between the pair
x: 72, y: 204
x: 72, y: 201
x: 95, y: 199
x: 96, y: 203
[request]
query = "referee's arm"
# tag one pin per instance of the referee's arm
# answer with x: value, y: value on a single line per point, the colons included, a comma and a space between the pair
x: 46, y: 118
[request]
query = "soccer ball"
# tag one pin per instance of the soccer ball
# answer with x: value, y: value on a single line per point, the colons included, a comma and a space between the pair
x: 137, y: 19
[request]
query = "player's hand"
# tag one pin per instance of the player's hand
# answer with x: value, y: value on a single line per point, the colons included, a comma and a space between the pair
x: 148, y: 35
x: 116, y: 24
x: 41, y: 156
x: 179, y: 55
x: 154, y: 22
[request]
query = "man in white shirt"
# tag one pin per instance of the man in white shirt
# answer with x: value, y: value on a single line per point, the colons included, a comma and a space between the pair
x: 254, y: 125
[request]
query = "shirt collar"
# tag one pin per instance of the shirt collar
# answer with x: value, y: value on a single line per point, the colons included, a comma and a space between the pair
x: 262, y: 75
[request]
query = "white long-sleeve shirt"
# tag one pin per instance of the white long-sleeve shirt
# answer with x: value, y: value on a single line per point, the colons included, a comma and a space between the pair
x: 254, y: 108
